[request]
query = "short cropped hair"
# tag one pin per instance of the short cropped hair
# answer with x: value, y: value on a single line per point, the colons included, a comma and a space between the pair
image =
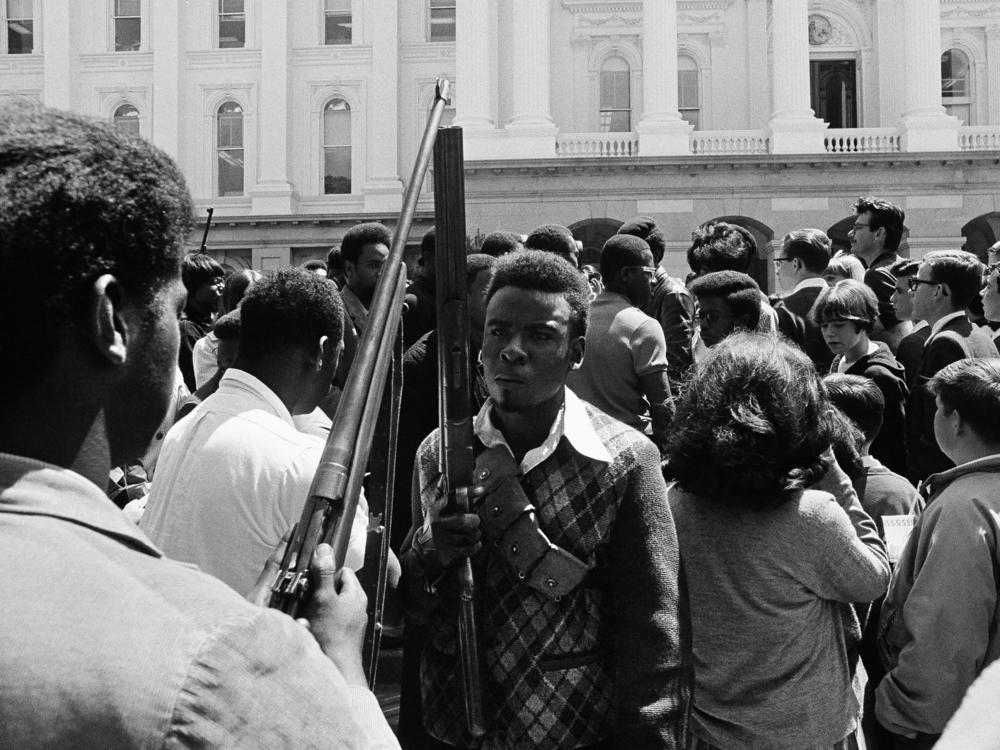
x: 846, y: 300
x: 545, y: 272
x: 972, y: 388
x: 622, y: 251
x: 884, y: 215
x: 737, y: 290
x: 236, y: 287
x: 845, y: 266
x: 860, y: 400
x: 960, y: 270
x: 552, y: 238
x: 77, y: 200
x: 750, y: 428
x: 500, y: 243
x: 721, y: 246
x: 476, y: 263
x: 228, y: 326
x: 645, y: 228
x: 811, y: 246
x: 198, y: 269
x: 334, y: 261
x: 428, y: 243
x: 294, y: 308
x: 355, y: 239
x: 905, y: 267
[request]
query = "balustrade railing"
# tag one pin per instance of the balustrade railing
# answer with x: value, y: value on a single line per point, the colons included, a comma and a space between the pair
x: 597, y: 144
x: 861, y: 140
x: 710, y: 142
x: 979, y: 138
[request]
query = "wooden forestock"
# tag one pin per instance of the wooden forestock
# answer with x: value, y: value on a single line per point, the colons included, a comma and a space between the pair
x: 455, y: 394
x: 333, y: 497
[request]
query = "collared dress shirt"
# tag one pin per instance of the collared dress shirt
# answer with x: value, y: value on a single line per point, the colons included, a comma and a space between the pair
x: 108, y: 644
x: 232, y: 479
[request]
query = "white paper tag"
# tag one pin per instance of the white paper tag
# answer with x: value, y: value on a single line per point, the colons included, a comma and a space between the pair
x: 897, y: 531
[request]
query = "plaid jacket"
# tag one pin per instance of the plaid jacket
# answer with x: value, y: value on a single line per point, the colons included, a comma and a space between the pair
x: 603, y: 663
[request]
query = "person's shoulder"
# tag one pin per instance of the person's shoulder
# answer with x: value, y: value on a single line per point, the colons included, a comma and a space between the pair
x: 626, y: 445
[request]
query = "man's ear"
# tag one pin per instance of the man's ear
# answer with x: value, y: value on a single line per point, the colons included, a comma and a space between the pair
x: 577, y: 347
x: 328, y: 353
x: 108, y: 330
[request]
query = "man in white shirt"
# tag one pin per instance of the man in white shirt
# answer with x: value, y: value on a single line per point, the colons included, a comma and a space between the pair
x: 234, y: 474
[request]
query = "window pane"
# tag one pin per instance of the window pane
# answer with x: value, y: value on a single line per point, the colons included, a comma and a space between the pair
x: 337, y: 124
x: 20, y: 37
x: 232, y: 31
x: 127, y: 37
x: 687, y: 88
x: 126, y: 119
x: 614, y: 121
x: 338, y: 28
x: 954, y: 74
x: 615, y: 89
x: 231, y: 6
x: 127, y: 7
x: 230, y: 171
x: 341, y: 5
x: 19, y: 9
x: 337, y: 170
x: 442, y: 20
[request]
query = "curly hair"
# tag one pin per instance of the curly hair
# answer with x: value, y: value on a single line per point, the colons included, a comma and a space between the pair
x: 77, y: 200
x: 737, y: 290
x: 552, y: 238
x: 884, y: 215
x: 500, y: 243
x: 721, y: 246
x: 751, y: 426
x: 355, y: 239
x: 294, y: 308
x: 545, y: 272
x: 619, y: 252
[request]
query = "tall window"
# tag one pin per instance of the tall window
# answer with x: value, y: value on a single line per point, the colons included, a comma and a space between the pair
x: 688, y: 93
x: 955, y: 85
x: 229, y: 149
x: 20, y: 27
x: 126, y: 119
x: 336, y: 147
x: 442, y: 15
x: 232, y: 24
x: 128, y: 25
x: 337, y: 22
x: 615, y: 115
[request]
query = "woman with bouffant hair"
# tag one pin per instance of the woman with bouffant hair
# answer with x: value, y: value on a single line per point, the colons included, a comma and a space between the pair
x: 768, y: 561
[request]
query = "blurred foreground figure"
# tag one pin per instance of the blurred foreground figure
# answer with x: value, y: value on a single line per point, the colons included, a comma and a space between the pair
x: 106, y: 643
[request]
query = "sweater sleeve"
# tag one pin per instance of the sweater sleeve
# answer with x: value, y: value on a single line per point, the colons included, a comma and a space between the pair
x: 652, y: 626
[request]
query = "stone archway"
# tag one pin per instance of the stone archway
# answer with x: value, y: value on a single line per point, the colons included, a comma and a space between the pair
x: 981, y: 233
x: 760, y: 268
x: 593, y: 233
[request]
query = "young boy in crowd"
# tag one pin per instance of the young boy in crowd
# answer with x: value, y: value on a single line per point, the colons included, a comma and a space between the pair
x: 727, y: 301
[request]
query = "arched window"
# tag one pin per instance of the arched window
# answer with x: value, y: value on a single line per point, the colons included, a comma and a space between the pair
x: 689, y: 91
x: 336, y: 147
x: 126, y: 119
x: 956, y: 92
x: 615, y: 114
x: 229, y: 149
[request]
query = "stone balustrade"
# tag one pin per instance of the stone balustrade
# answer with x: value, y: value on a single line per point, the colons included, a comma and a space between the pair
x: 597, y: 144
x: 861, y: 140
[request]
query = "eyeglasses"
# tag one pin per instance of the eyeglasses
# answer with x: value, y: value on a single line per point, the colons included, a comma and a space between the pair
x: 778, y: 260
x: 914, y: 282
x: 992, y: 267
x: 648, y: 271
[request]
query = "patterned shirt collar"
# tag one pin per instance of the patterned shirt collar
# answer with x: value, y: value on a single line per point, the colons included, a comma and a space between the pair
x: 572, y: 422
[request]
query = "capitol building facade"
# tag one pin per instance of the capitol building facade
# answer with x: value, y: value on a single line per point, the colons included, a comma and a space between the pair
x: 295, y: 119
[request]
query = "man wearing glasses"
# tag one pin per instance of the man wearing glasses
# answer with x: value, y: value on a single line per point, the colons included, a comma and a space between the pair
x: 946, y: 282
x: 624, y: 371
x: 875, y: 238
x: 799, y: 267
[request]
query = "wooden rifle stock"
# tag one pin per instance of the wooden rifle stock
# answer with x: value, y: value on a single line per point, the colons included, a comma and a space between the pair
x: 204, y: 236
x: 329, y: 510
x: 455, y: 394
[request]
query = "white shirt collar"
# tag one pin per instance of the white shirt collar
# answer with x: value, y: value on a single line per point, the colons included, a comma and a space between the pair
x: 241, y: 382
x: 936, y: 328
x: 814, y: 281
x: 572, y: 422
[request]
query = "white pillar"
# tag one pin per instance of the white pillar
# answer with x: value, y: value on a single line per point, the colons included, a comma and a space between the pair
x: 474, y: 66
x: 794, y: 127
x: 661, y: 130
x: 57, y: 53
x: 993, y: 73
x: 166, y: 112
x: 531, y: 131
x: 926, y: 126
x: 758, y: 94
x: 273, y: 193
x: 383, y: 188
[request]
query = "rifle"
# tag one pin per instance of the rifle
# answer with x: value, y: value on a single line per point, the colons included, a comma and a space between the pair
x: 204, y: 237
x: 333, y: 497
x: 457, y: 462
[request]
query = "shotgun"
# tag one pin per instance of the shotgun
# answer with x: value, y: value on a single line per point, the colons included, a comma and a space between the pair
x: 204, y: 236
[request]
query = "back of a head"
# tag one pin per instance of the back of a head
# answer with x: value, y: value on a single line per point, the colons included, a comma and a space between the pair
x: 972, y: 387
x: 227, y: 328
x: 77, y: 200
x: 884, y: 215
x: 428, y: 243
x: 721, y: 246
x: 476, y: 263
x: 290, y: 310
x: 749, y: 428
x: 905, y: 267
x: 236, y: 287
x: 960, y: 270
x: 500, y: 243
x: 621, y: 251
x: 738, y: 290
x: 645, y: 228
x: 844, y: 266
x: 538, y: 270
x: 846, y: 300
x: 355, y: 239
x: 552, y: 238
x: 811, y: 246
x: 198, y: 269
x: 315, y: 266
x: 859, y: 399
x: 334, y: 261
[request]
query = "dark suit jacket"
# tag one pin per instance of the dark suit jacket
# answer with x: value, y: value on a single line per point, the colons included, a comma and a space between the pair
x: 925, y: 457
x: 795, y: 323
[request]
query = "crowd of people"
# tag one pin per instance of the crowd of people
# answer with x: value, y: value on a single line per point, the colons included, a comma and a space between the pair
x: 702, y: 517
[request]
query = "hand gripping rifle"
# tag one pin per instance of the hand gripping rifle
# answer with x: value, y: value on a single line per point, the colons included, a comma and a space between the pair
x: 455, y: 394
x: 329, y: 510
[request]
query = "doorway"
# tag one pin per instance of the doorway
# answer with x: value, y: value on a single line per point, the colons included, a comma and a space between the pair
x: 833, y: 86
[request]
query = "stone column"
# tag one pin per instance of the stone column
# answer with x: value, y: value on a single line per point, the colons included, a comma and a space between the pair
x: 926, y: 126
x: 758, y: 94
x: 531, y: 131
x: 474, y: 66
x: 57, y: 53
x: 273, y: 193
x: 993, y: 73
x: 166, y: 39
x: 794, y: 127
x: 383, y: 188
x: 661, y: 130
